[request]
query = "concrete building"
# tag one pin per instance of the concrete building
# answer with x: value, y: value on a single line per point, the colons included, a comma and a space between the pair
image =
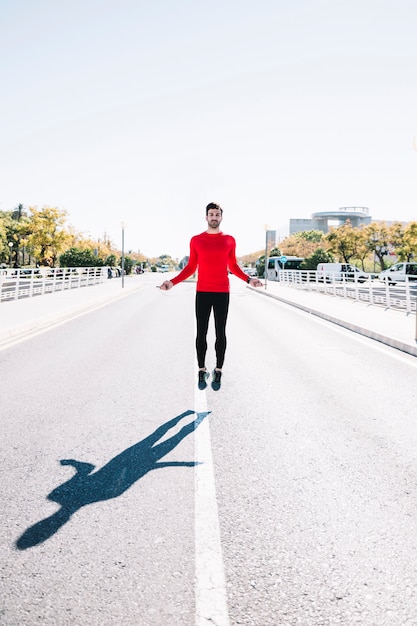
x: 324, y: 220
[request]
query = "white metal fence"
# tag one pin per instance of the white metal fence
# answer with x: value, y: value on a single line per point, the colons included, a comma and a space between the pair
x: 26, y: 283
x: 402, y: 296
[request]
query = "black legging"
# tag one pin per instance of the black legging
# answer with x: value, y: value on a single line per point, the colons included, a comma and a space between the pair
x: 204, y: 302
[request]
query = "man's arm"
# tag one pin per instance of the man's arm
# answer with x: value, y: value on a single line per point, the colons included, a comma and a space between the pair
x: 188, y: 270
x: 237, y: 271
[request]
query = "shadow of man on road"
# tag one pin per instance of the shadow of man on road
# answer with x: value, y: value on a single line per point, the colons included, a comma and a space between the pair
x: 111, y: 480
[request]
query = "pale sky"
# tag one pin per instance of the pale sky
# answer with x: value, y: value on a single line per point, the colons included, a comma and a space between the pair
x: 145, y: 111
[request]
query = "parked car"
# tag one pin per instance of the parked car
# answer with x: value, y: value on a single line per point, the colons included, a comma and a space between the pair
x: 250, y: 271
x: 27, y: 272
x: 399, y: 273
x: 340, y: 271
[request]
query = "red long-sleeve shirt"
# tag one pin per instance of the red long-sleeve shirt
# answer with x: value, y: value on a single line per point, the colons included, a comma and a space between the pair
x: 213, y: 254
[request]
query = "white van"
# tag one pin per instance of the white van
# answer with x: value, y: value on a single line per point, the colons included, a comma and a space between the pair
x: 399, y: 273
x: 330, y: 272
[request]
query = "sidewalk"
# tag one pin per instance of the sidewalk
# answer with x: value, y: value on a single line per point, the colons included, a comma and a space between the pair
x: 20, y: 318
x: 393, y: 328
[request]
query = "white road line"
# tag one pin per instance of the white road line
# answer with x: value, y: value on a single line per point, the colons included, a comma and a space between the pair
x: 210, y: 590
x: 388, y: 350
x: 394, y: 353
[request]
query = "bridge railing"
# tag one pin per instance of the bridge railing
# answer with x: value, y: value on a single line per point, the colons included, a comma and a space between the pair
x: 402, y: 296
x: 27, y: 282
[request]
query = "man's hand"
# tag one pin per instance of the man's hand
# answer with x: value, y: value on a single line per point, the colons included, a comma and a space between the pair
x: 167, y: 284
x: 255, y: 282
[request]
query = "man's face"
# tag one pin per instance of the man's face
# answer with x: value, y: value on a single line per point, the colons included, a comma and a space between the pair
x: 214, y: 217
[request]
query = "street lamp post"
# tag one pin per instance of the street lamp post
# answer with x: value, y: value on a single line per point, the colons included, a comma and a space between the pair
x: 123, y: 225
x: 11, y: 253
x: 266, y: 254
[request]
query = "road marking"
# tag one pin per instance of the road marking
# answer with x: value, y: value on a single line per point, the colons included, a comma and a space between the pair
x: 374, y: 344
x: 210, y: 592
x: 370, y: 342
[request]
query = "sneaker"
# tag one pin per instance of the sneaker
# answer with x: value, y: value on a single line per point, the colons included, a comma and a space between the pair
x: 216, y: 382
x: 202, y: 377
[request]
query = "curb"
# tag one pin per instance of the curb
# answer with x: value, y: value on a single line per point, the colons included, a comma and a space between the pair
x: 389, y: 341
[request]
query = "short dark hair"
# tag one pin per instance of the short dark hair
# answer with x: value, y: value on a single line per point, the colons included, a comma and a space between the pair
x: 213, y: 205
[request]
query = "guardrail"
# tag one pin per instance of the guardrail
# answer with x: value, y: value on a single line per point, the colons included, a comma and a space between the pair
x: 402, y: 296
x: 27, y: 283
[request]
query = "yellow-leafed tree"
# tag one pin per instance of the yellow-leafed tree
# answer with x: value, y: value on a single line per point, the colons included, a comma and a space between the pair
x: 47, y: 238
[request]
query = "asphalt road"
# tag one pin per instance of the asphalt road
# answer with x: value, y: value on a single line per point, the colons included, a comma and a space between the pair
x: 305, y: 504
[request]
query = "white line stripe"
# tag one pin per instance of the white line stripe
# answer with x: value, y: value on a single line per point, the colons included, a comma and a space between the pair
x: 210, y: 592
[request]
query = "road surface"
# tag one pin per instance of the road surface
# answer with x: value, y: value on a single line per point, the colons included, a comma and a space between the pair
x: 130, y: 497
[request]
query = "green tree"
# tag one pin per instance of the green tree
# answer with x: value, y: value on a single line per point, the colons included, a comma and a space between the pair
x: 319, y: 256
x: 110, y: 260
x: 362, y: 248
x: 165, y: 259
x: 378, y: 238
x: 74, y: 257
x: 7, y: 235
x: 22, y: 232
x: 14, y: 227
x: 343, y: 241
x: 404, y: 240
x: 407, y: 249
x: 18, y: 212
x: 128, y: 264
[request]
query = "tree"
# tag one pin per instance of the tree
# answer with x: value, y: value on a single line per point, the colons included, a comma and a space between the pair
x: 404, y: 240
x: 362, y: 249
x: 343, y: 241
x: 6, y: 235
x: 378, y: 239
x: 319, y: 256
x: 4, y: 250
x: 408, y: 248
x: 128, y: 264
x: 74, y: 257
x: 22, y: 231
x: 47, y: 236
x: 110, y: 260
x: 165, y: 259
x: 303, y: 244
x: 18, y: 212
x: 14, y: 227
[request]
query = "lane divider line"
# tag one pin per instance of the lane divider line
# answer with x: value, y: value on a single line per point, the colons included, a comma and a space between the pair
x: 210, y: 586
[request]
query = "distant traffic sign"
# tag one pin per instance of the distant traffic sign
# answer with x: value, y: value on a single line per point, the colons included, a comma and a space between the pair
x: 283, y: 259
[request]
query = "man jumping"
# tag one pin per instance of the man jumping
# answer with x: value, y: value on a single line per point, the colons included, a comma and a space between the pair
x: 213, y: 253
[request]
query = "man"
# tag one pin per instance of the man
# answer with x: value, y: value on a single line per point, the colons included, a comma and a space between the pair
x: 213, y: 253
